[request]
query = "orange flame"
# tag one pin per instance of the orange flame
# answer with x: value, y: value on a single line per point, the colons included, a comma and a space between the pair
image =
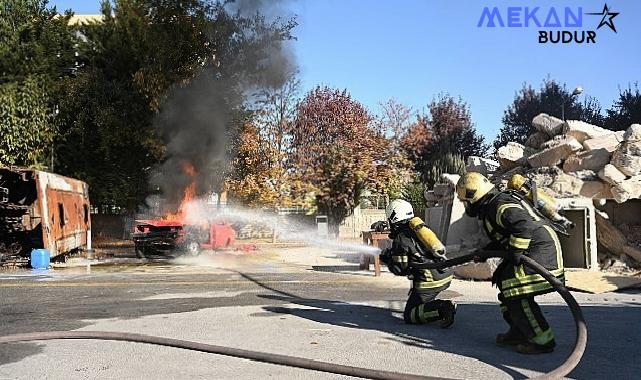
x: 189, y: 194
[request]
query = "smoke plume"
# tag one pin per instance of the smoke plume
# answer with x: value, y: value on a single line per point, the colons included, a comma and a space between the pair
x: 198, y: 120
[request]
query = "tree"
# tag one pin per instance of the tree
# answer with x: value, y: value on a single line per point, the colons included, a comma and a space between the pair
x: 528, y: 103
x: 448, y: 131
x: 251, y: 181
x: 36, y: 54
x: 274, y: 117
x: 163, y: 84
x: 625, y: 111
x: 334, y: 150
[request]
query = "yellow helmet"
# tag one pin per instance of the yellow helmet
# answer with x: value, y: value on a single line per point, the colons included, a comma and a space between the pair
x: 472, y: 186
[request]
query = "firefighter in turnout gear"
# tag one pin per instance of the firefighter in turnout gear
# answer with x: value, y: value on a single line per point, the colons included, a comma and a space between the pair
x: 412, y: 242
x: 515, y: 226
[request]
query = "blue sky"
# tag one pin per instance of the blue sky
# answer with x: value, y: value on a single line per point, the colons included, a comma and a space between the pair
x: 413, y: 50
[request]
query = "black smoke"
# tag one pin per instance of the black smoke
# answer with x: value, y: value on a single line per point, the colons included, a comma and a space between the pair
x: 199, y: 119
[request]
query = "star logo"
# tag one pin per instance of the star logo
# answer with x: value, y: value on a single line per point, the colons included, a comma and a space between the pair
x: 607, y: 18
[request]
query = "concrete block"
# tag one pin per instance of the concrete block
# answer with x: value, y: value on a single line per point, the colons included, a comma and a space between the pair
x: 628, y: 189
x: 583, y: 131
x: 627, y: 158
x: 554, y: 155
x: 536, y: 139
x: 592, y: 160
x: 611, y: 174
x: 565, y: 185
x: 594, y: 189
x: 511, y: 155
x: 633, y: 133
x: 609, y: 142
x: 481, y: 165
x: 547, y: 124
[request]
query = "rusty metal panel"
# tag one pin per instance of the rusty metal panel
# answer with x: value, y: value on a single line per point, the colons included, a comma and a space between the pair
x: 45, y: 211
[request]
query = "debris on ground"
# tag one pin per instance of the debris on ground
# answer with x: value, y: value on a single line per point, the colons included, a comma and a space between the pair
x: 599, y: 282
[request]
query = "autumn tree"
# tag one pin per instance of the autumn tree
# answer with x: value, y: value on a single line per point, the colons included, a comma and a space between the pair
x: 393, y: 169
x: 276, y: 109
x: 251, y: 180
x: 36, y: 54
x: 549, y: 98
x: 625, y: 111
x: 334, y: 150
x: 448, y: 131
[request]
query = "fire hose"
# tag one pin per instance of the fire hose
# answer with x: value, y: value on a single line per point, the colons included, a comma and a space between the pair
x: 292, y: 361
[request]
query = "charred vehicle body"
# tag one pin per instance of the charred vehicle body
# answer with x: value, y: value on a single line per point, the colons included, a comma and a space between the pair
x: 42, y: 210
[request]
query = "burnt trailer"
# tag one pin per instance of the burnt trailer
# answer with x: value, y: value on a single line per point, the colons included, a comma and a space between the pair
x: 42, y: 210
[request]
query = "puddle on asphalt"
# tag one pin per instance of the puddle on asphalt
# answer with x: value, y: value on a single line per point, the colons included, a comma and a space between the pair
x: 207, y: 261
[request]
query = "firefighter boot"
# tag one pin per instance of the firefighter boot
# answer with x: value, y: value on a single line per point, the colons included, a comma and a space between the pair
x: 511, y: 338
x: 447, y: 311
x: 532, y: 348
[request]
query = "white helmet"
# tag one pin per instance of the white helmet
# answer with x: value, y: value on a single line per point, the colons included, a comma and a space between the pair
x: 399, y: 211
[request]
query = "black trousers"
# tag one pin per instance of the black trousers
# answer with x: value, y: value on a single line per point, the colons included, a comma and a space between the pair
x: 526, y: 318
x: 423, y: 307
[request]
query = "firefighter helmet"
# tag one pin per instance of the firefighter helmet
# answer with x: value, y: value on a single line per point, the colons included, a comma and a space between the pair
x: 472, y: 186
x: 399, y: 211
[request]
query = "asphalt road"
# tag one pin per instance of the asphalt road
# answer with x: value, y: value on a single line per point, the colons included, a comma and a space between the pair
x: 348, y: 318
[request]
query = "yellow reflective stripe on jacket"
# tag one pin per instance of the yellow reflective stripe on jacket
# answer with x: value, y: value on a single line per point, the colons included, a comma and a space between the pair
x: 528, y: 279
x: 531, y: 211
x: 493, y: 234
x: 399, y: 259
x: 501, y: 210
x: 519, y: 243
x: 428, y: 274
x: 432, y: 284
x: 557, y: 245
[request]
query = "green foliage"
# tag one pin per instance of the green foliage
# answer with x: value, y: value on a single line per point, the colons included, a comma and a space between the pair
x: 413, y: 192
x: 36, y: 54
x: 625, y: 111
x: 448, y: 163
x: 25, y: 123
x: 549, y: 98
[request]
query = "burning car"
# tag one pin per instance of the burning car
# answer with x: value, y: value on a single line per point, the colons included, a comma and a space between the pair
x: 158, y: 236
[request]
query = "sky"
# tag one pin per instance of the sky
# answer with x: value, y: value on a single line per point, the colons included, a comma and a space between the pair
x: 413, y: 50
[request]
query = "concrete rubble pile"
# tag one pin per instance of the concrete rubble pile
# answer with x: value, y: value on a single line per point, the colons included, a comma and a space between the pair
x: 576, y: 159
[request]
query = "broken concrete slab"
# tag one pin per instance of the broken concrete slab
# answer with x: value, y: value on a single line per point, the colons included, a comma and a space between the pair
x: 613, y: 240
x: 592, y: 160
x: 628, y: 189
x: 536, y: 139
x: 633, y: 133
x: 595, y: 189
x: 547, y: 124
x: 554, y: 155
x: 609, y: 142
x: 510, y: 155
x: 481, y: 165
x: 627, y: 158
x: 598, y: 282
x: 611, y: 174
x: 582, y: 131
x: 564, y: 185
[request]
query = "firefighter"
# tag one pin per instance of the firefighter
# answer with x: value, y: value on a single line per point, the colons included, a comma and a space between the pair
x: 514, y: 225
x: 412, y: 242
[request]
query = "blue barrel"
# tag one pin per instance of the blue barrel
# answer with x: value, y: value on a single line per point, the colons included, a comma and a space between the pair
x: 39, y: 259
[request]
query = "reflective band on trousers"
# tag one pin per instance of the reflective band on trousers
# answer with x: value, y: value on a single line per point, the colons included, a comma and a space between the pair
x: 528, y: 279
x: 529, y: 289
x: 432, y: 284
